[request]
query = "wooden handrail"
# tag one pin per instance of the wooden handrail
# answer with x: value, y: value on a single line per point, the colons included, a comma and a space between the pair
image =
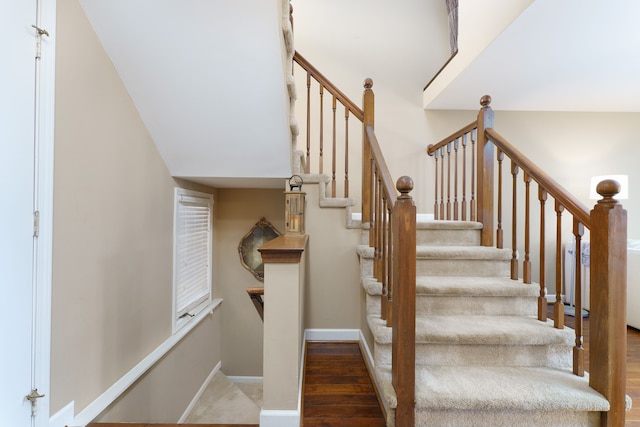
x: 607, y: 222
x: 381, y: 166
x: 333, y: 90
x: 459, y: 134
x: 558, y: 192
x: 392, y: 235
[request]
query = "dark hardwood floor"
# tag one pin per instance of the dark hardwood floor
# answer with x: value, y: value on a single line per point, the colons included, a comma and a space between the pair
x: 633, y: 365
x: 337, y: 389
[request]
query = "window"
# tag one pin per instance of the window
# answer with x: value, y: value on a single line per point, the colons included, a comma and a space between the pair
x: 191, y: 254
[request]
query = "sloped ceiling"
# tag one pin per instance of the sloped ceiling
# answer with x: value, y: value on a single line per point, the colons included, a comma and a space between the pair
x: 207, y: 78
x: 568, y: 55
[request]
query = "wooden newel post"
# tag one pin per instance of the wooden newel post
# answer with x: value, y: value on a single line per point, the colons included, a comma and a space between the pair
x: 608, y: 269
x: 367, y: 177
x: 485, y: 172
x: 404, y: 303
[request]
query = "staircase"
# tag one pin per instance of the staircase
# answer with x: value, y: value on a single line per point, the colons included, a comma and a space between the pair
x: 482, y: 357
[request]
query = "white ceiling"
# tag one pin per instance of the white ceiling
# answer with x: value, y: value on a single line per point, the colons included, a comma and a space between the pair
x: 211, y: 93
x: 568, y: 55
x: 208, y: 80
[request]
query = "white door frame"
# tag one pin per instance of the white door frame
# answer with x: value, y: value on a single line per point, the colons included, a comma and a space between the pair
x: 45, y: 116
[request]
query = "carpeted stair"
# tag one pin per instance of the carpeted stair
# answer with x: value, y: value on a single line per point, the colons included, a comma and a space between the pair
x: 483, y: 358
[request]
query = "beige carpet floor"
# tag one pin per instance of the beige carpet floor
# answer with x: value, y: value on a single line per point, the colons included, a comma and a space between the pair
x: 226, y: 402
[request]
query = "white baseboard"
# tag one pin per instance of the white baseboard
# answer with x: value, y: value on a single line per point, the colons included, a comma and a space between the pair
x: 244, y: 380
x: 279, y: 418
x: 332, y: 335
x: 198, y: 395
x: 63, y: 417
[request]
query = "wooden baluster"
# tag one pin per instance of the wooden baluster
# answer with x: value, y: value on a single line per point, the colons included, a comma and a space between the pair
x: 308, y: 164
x: 526, y: 265
x: 442, y: 185
x: 578, y: 351
x: 608, y: 268
x: 403, y: 358
x: 456, y: 145
x: 346, y: 152
x: 558, y: 307
x: 333, y: 151
x: 464, y: 177
x: 321, y: 159
x: 435, y: 190
x: 376, y: 225
x: 449, y: 181
x: 385, y: 259
x: 514, y: 223
x: 542, y: 299
x: 474, y: 206
x: 391, y: 274
x: 379, y: 224
x: 499, y: 231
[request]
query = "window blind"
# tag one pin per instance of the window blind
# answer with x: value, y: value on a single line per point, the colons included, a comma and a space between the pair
x: 192, y: 252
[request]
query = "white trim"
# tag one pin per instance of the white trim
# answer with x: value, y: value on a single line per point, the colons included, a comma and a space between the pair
x: 245, y: 380
x: 44, y: 196
x: 183, y: 195
x: 63, y: 417
x: 367, y: 351
x: 112, y: 393
x: 198, y: 395
x: 279, y: 418
x: 332, y: 335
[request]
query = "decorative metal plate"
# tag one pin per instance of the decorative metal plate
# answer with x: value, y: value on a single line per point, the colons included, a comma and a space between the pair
x: 261, y: 233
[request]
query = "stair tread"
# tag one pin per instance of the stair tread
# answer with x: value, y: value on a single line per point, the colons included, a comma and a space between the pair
x: 478, y: 330
x: 463, y: 253
x: 463, y: 286
x: 447, y: 225
x: 474, y: 286
x: 498, y: 389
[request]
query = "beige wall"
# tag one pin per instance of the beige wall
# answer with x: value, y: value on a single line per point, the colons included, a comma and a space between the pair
x: 333, y: 276
x: 163, y: 393
x: 332, y: 294
x: 113, y: 230
x: 237, y: 212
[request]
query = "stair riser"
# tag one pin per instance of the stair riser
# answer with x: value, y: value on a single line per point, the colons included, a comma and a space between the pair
x: 454, y: 305
x: 462, y: 267
x: 553, y: 355
x: 453, y: 418
x: 448, y: 237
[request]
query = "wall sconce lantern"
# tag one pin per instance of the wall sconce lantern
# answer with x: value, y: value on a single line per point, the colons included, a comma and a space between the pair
x: 294, y: 206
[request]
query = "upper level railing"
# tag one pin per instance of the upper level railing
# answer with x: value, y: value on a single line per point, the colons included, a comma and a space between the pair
x: 330, y: 133
x: 465, y: 189
x: 389, y: 216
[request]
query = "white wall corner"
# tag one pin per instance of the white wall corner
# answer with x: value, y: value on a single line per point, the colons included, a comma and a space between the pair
x: 279, y: 418
x: 64, y: 417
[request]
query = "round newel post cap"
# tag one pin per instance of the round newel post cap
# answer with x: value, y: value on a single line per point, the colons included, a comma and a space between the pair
x: 368, y: 83
x: 485, y: 101
x: 404, y: 185
x: 608, y: 189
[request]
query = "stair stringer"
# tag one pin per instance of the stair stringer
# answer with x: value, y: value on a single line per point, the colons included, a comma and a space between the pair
x: 323, y: 201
